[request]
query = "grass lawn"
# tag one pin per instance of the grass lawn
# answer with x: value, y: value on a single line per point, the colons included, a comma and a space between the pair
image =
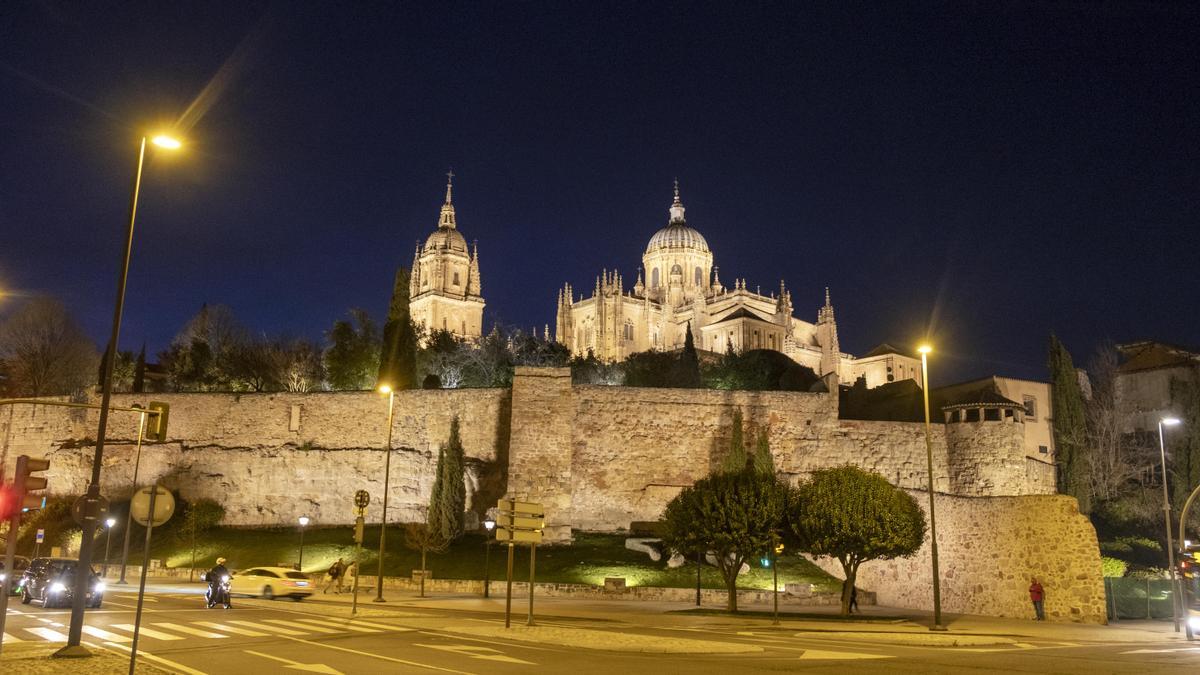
x: 589, y: 560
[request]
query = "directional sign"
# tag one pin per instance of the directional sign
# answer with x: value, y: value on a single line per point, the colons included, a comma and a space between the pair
x: 520, y: 508
x: 520, y: 522
x: 528, y: 536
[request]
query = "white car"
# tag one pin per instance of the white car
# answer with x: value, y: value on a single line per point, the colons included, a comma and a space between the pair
x: 270, y: 583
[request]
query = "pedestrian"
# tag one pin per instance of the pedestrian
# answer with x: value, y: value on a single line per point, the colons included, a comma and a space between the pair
x: 1037, y: 594
x: 853, y: 599
x: 336, y: 571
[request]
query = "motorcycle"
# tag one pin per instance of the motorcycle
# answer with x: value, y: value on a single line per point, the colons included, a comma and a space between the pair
x: 218, y: 593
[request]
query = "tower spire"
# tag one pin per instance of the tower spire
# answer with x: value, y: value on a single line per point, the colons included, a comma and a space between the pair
x: 677, y: 206
x: 446, y: 219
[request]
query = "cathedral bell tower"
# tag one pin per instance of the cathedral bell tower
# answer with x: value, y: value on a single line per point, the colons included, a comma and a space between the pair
x: 445, y: 290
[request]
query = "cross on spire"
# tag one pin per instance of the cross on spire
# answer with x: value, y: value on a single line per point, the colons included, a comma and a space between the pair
x: 449, y: 183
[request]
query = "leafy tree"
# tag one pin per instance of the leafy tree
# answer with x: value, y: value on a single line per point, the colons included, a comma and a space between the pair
x: 44, y: 352
x: 734, y: 516
x: 198, y: 517
x: 352, y: 359
x: 763, y: 462
x: 425, y: 538
x: 1070, y: 430
x: 758, y: 370
x: 737, y: 460
x: 122, y: 376
x: 650, y: 369
x: 448, y: 499
x: 398, y: 363
x: 854, y: 516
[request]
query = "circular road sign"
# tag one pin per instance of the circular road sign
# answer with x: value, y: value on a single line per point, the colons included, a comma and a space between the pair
x: 164, y: 506
x: 77, y: 509
x: 362, y: 498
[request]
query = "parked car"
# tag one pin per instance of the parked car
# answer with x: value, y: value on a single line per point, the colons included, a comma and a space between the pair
x: 20, y: 564
x: 271, y: 582
x: 51, y: 581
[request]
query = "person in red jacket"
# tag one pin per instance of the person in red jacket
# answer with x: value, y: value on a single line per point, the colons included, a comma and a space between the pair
x: 1037, y: 594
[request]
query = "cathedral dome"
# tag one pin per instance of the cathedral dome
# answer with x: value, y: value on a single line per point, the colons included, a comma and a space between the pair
x: 446, y: 238
x: 677, y: 235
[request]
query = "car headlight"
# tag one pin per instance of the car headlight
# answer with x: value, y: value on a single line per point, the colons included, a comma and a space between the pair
x: 1194, y: 622
x: 99, y: 587
x: 57, y: 587
x: 3, y: 576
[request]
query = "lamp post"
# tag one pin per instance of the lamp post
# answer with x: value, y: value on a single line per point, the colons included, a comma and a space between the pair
x: 775, y: 583
x: 137, y: 463
x: 303, y: 523
x: 933, y: 548
x: 1162, y: 449
x: 488, y: 526
x: 387, y: 469
x: 107, y: 540
x: 92, y: 497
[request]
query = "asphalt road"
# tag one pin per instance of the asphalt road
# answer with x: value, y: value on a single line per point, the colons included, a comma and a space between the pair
x: 257, y: 637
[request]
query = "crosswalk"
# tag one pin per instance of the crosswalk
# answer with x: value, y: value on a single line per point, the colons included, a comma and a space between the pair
x: 168, y: 631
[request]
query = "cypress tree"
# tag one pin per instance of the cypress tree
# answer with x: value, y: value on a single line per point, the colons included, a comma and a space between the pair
x: 139, y: 372
x: 398, y: 362
x: 687, y: 370
x: 1070, y: 432
x: 1183, y: 443
x: 736, y: 461
x: 454, y: 492
x: 763, y: 462
x: 436, y: 495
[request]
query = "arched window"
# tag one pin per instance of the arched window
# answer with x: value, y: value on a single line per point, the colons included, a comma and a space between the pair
x: 699, y: 277
x: 654, y: 278
x: 464, y: 327
x: 456, y: 279
x: 628, y: 334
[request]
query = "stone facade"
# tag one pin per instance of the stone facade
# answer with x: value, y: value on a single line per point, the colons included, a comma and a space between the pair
x: 988, y: 549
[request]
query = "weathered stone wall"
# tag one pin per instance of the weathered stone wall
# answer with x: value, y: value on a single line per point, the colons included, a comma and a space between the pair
x: 988, y: 550
x: 269, y: 458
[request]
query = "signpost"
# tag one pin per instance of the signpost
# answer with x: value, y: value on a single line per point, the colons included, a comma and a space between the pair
x: 519, y: 522
x: 150, y: 507
x: 362, y: 499
x: 37, y: 547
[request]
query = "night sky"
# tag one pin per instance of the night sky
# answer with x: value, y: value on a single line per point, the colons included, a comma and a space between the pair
x: 987, y: 171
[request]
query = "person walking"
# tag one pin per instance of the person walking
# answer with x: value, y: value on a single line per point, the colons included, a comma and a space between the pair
x: 1037, y: 594
x: 853, y: 599
x: 336, y: 572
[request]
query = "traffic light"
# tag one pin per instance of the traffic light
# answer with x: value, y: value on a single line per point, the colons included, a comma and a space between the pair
x: 26, y: 482
x: 156, y: 425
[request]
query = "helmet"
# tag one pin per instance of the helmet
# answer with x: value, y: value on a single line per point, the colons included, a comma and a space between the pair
x: 220, y: 561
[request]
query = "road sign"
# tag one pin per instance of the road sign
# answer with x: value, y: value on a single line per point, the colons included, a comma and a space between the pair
x: 520, y: 508
x: 41, y: 536
x: 520, y: 522
x: 164, y: 506
x: 519, y: 536
x: 78, y: 509
x: 362, y: 498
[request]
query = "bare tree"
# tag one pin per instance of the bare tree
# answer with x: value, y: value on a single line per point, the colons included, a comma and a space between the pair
x: 1117, y: 460
x: 43, y: 352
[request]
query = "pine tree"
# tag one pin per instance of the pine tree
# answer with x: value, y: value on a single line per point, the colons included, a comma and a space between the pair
x: 448, y: 499
x: 764, y: 463
x: 1070, y: 431
x: 737, y: 460
x: 139, y: 372
x: 687, y: 369
x: 398, y: 362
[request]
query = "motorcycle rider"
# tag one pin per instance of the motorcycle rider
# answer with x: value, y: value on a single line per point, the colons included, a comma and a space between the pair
x: 214, y: 578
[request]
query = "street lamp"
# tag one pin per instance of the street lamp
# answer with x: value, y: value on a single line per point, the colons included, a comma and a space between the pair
x: 1162, y: 449
x: 303, y: 523
x: 387, y: 470
x: 933, y: 549
x: 92, y: 497
x: 488, y: 526
x: 107, y: 538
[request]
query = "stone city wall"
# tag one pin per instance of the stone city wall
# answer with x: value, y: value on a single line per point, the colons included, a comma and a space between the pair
x: 988, y: 550
x: 598, y: 457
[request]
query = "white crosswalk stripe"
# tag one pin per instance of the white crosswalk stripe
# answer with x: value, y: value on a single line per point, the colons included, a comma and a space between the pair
x: 47, y: 634
x: 335, y: 624
x: 146, y: 632
x: 263, y: 626
x: 188, y: 630
x: 230, y: 629
x: 105, y: 635
x: 9, y: 637
x: 292, y: 624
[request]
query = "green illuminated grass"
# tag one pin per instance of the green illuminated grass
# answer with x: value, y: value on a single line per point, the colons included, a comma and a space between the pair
x: 590, y: 559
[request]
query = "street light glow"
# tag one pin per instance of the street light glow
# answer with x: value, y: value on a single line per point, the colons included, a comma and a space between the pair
x: 110, y: 522
x: 489, y: 524
x: 167, y: 142
x: 1170, y: 421
x: 924, y: 349
x: 303, y: 521
x: 385, y: 389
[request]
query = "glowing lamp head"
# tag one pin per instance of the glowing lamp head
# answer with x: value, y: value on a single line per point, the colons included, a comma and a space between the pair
x: 303, y: 521
x: 924, y: 349
x: 1170, y: 421
x: 489, y: 524
x: 385, y: 389
x: 166, y: 142
x: 110, y: 522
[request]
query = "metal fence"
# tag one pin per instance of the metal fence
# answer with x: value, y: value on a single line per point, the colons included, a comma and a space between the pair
x: 1130, y: 598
